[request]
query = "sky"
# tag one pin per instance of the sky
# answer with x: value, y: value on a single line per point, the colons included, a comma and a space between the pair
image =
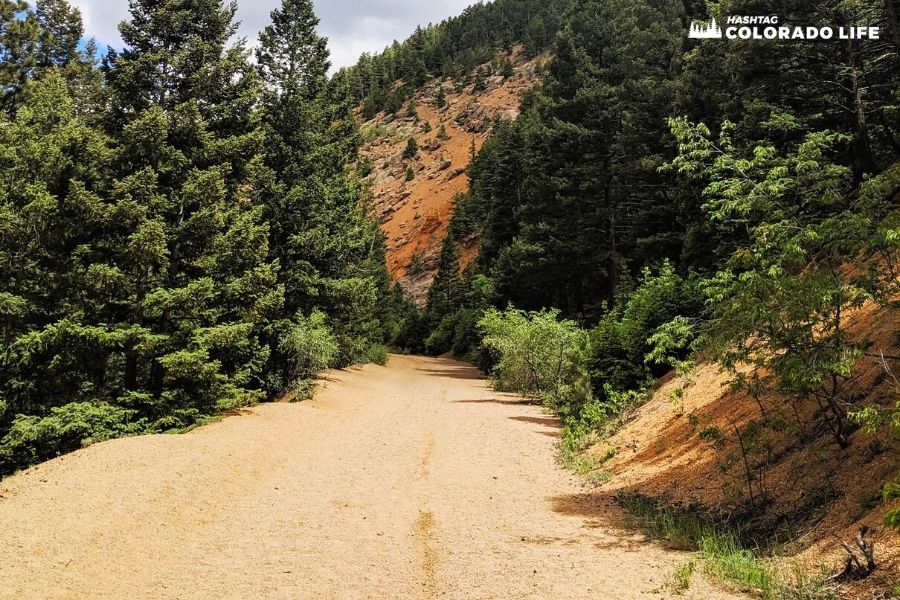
x: 351, y: 26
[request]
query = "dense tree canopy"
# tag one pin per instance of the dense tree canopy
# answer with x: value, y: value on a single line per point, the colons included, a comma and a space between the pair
x: 178, y: 235
x: 453, y: 47
x: 671, y: 193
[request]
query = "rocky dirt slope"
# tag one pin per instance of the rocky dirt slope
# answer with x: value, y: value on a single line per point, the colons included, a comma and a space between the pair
x: 415, y: 213
x: 682, y: 447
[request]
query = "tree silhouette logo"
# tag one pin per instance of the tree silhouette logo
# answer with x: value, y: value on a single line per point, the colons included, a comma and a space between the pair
x: 705, y: 32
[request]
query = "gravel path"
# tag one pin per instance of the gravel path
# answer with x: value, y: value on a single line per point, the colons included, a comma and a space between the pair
x: 408, y: 481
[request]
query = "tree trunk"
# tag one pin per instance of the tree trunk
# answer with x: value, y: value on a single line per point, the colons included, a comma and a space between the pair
x: 890, y: 11
x: 864, y: 162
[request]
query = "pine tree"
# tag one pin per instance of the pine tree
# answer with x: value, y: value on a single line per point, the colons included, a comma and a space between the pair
x: 200, y: 284
x: 589, y: 149
x: 19, y: 34
x: 444, y: 294
x: 176, y: 53
x: 293, y: 64
x: 292, y: 56
x: 326, y: 245
x: 56, y: 345
x: 61, y: 31
x: 411, y: 149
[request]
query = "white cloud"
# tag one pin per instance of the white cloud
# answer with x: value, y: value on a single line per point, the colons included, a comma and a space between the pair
x: 352, y: 26
x: 101, y: 19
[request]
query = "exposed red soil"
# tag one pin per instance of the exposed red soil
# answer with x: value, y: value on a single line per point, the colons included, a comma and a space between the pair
x: 811, y: 491
x: 415, y: 214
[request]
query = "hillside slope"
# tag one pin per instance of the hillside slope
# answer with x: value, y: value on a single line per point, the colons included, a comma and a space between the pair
x: 682, y: 449
x: 414, y: 214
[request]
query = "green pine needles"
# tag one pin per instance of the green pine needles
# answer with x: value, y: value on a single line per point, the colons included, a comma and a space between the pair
x: 180, y: 234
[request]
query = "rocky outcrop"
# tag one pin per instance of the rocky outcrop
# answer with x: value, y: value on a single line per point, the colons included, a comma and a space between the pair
x: 413, y: 198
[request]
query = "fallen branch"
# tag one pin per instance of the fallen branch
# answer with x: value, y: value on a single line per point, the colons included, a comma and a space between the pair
x: 858, y: 565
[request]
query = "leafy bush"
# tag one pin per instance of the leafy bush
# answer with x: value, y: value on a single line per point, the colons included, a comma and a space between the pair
x: 782, y: 299
x: 539, y: 356
x: 378, y: 354
x: 32, y: 439
x: 373, y: 132
x: 365, y: 167
x: 310, y: 346
x: 646, y: 336
x: 871, y: 419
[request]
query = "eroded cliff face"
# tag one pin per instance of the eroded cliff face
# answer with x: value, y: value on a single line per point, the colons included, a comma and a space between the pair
x: 413, y: 198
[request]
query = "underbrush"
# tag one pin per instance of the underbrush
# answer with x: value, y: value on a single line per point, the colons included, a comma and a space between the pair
x: 572, y: 455
x: 725, y: 556
x: 307, y: 346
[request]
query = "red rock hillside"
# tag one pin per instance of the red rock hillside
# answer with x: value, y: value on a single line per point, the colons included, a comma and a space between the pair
x: 415, y: 213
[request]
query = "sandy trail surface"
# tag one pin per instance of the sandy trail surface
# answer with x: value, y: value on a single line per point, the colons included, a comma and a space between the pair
x: 408, y: 481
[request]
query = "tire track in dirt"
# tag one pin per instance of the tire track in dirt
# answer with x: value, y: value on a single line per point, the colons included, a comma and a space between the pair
x: 424, y: 529
x: 426, y: 546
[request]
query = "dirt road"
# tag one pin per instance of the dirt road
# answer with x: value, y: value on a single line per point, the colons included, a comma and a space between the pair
x: 407, y: 481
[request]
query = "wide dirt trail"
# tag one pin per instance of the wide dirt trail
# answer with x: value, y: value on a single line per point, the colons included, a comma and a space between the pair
x: 408, y: 481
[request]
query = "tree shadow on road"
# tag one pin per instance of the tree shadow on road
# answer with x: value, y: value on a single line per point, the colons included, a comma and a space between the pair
x: 509, y: 401
x: 600, y: 509
x: 553, y: 422
x: 455, y: 373
x: 607, y: 525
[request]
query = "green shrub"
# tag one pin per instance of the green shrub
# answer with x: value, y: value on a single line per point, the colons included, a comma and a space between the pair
x: 647, y: 335
x: 466, y: 339
x: 370, y: 133
x: 378, y: 354
x: 871, y: 419
x: 681, y: 578
x: 365, y: 167
x: 310, y: 346
x: 712, y: 434
x: 440, y: 340
x: 539, y: 356
x: 32, y: 439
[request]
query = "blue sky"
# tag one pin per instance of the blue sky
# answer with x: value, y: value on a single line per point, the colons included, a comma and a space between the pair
x: 352, y: 26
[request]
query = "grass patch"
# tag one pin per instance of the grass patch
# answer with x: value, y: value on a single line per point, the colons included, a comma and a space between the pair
x: 590, y: 468
x: 572, y: 456
x: 724, y: 556
x: 370, y: 133
x: 681, y: 578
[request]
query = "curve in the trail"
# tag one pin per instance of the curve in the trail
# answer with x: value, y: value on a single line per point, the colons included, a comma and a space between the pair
x: 408, y: 481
